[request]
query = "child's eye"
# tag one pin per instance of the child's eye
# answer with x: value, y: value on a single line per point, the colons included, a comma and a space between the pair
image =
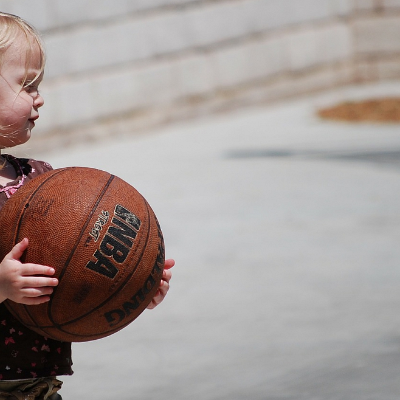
x: 31, y: 88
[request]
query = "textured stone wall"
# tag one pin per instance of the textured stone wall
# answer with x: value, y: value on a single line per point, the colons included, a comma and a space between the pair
x: 376, y: 33
x: 125, y: 65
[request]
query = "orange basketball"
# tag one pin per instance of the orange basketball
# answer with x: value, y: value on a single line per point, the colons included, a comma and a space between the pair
x: 103, y: 240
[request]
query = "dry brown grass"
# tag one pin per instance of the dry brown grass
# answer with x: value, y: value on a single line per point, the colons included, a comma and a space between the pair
x: 374, y: 110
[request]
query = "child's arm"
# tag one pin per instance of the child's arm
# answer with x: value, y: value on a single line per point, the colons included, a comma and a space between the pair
x: 20, y: 282
x: 164, y: 285
x: 25, y: 283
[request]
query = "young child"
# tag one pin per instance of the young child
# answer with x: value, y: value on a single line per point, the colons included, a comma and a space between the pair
x: 29, y: 362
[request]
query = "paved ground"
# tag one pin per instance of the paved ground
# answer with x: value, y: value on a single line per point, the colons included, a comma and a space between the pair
x: 285, y: 230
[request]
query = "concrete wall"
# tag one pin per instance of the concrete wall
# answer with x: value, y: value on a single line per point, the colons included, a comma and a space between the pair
x: 125, y: 65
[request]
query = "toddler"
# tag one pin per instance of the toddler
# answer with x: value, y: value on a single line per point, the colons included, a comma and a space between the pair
x: 29, y: 362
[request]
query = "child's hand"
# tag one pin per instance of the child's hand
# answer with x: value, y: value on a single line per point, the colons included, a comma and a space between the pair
x: 19, y: 282
x: 164, y: 285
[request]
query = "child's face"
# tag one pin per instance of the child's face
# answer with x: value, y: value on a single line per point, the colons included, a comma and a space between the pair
x: 19, y: 100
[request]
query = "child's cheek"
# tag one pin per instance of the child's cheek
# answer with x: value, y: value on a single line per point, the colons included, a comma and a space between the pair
x: 22, y: 105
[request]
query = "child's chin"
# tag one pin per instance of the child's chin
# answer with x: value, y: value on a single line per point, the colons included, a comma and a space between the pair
x: 20, y: 140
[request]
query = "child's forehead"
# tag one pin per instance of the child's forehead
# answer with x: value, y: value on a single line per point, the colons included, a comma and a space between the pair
x: 25, y: 51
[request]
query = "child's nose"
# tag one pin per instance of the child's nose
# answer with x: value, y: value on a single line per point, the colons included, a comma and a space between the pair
x: 38, y: 101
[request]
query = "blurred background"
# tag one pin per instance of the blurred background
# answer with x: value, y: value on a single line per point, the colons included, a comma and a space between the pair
x: 284, y: 225
x: 118, y: 66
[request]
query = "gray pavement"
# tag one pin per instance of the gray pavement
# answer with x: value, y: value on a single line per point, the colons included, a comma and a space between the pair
x: 285, y: 230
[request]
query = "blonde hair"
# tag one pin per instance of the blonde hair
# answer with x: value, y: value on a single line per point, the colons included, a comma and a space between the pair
x: 11, y: 26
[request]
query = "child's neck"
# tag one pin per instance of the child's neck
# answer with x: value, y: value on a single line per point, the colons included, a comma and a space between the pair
x: 7, y: 171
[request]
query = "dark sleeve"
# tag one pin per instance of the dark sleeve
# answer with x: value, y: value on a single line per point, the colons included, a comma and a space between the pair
x: 35, y: 168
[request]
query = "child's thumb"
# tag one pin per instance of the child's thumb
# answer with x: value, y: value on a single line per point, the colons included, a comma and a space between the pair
x: 17, y: 251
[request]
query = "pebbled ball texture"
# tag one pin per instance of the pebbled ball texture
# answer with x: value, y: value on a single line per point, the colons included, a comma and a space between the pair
x: 104, y: 241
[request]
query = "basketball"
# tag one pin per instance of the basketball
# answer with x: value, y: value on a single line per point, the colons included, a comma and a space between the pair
x: 102, y: 238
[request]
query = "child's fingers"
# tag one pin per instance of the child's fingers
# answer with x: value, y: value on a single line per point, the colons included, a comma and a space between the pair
x: 153, y: 304
x: 160, y: 294
x: 36, y: 292
x: 31, y: 295
x: 32, y: 301
x: 164, y: 285
x: 38, y: 282
x: 36, y: 269
x: 32, y: 287
x: 17, y: 251
x: 169, y: 263
x: 163, y: 289
x: 30, y: 268
x: 167, y: 275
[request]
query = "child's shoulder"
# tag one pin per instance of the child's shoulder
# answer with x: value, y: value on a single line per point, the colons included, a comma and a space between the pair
x: 35, y: 167
x: 29, y: 166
